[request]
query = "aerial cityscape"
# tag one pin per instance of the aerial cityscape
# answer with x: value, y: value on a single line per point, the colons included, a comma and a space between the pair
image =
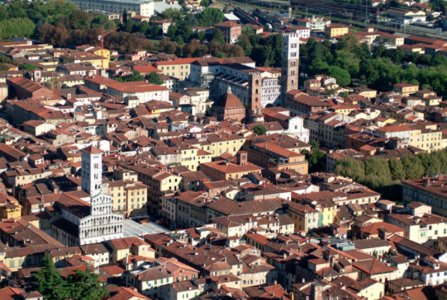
x: 223, y: 149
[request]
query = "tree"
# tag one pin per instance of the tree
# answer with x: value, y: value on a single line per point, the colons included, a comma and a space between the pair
x: 154, y: 78
x: 28, y: 67
x: 352, y: 168
x: 341, y: 75
x: 16, y: 27
x: 244, y: 42
x: 413, y: 166
x: 315, y: 157
x: 218, y: 36
x: 397, y: 169
x: 210, y: 17
x: 3, y: 67
x: 125, y: 16
x: 259, y: 129
x: 135, y: 76
x: 86, y: 286
x: 49, y: 282
x: 205, y: 3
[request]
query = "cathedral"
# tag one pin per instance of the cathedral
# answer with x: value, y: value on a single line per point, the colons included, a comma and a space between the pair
x: 87, y: 217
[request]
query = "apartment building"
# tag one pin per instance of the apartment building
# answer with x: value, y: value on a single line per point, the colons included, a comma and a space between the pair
x: 182, y: 155
x: 269, y: 155
x: 133, y: 93
x: 430, y: 191
x: 160, y: 183
x: 336, y: 30
x: 128, y: 197
x: 420, y: 229
x: 425, y: 136
x: 141, y: 7
x: 179, y: 68
x: 220, y: 143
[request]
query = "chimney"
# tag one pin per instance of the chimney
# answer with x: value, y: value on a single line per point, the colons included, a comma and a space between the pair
x: 242, y: 158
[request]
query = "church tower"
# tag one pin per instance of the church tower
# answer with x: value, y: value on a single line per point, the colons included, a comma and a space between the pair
x: 290, y: 61
x: 92, y: 171
x: 102, y: 224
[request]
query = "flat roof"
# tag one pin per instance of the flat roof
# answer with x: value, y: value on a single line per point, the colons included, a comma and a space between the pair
x: 132, y: 228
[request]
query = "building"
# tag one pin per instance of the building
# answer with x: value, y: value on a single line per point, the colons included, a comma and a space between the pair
x: 406, y: 89
x: 255, y: 87
x: 161, y: 184
x: 420, y: 229
x: 132, y: 93
x: 314, y: 23
x: 24, y: 88
x: 140, y: 7
x: 181, y: 155
x: 225, y: 170
x: 229, y: 107
x: 194, y: 101
x: 231, y: 31
x: 91, y: 220
x: 290, y: 61
x: 218, y: 144
x: 178, y: 68
x: 128, y: 197
x: 203, y: 70
x: 430, y: 191
x: 270, y: 155
x: 425, y: 136
x: 336, y: 30
x: 300, y: 103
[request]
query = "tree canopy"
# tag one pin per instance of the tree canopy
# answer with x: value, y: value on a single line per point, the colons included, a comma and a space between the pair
x: 80, y: 285
x: 378, y: 68
x: 385, y: 175
x: 315, y: 157
x: 259, y: 129
x: 154, y: 78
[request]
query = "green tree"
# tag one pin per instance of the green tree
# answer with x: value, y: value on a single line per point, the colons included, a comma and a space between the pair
x: 3, y: 67
x: 396, y: 169
x: 218, y: 36
x: 315, y: 157
x: 210, y: 16
x: 341, y: 75
x: 244, y: 42
x: 352, y: 168
x: 413, y: 166
x: 135, y: 76
x: 28, y: 67
x: 86, y: 286
x: 49, y: 282
x: 259, y: 129
x: 16, y: 27
x: 431, y: 163
x: 154, y: 78
x: 205, y: 3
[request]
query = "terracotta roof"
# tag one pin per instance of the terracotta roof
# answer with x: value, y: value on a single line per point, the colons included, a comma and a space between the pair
x: 92, y: 150
x: 229, y: 100
x: 373, y: 267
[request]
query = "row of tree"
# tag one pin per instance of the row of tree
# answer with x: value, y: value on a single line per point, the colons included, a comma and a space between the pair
x: 385, y: 175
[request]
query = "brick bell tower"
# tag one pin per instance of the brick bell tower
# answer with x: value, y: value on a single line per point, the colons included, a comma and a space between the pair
x: 255, y: 92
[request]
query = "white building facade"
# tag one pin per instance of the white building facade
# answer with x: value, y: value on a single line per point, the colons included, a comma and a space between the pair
x: 141, y: 7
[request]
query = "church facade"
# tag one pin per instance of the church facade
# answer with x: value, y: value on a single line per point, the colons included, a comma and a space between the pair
x: 88, y: 220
